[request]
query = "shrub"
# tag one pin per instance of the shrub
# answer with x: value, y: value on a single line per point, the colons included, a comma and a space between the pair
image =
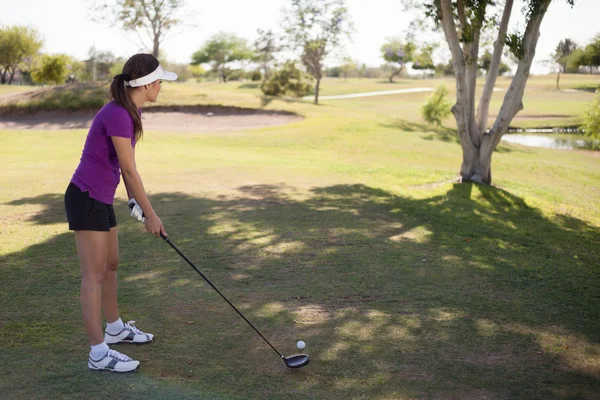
x: 256, y: 76
x: 591, y: 117
x: 53, y: 70
x: 288, y: 81
x: 436, y: 108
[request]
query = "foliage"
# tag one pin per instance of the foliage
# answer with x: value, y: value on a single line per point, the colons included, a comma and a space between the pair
x: 424, y: 58
x: 221, y: 50
x: 117, y: 67
x: 197, y: 71
x: 396, y: 51
x: 256, y: 75
x: 288, y: 81
x: 265, y: 47
x: 53, y: 69
x: 316, y: 27
x: 101, y: 65
x: 563, y: 50
x: 153, y: 18
x: 486, y: 60
x: 591, y: 117
x: 17, y: 43
x: 437, y: 107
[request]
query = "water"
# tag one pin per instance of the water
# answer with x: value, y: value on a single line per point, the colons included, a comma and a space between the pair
x: 555, y: 141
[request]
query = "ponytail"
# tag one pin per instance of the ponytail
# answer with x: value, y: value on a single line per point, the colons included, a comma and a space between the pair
x: 121, y: 95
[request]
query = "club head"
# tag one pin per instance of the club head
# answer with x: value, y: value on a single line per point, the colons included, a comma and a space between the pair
x: 296, y: 361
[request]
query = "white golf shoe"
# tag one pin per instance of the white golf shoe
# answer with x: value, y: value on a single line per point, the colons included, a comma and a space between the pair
x: 129, y: 334
x: 113, y: 361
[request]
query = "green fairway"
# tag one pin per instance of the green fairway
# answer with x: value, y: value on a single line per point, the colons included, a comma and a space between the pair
x: 344, y: 230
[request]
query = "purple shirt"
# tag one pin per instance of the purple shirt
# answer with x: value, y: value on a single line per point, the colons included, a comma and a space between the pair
x: 99, y: 172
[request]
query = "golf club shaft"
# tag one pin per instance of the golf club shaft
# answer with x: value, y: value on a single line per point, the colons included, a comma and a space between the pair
x: 218, y: 291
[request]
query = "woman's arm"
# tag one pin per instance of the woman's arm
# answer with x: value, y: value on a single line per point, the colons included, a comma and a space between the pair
x: 129, y: 194
x: 134, y: 185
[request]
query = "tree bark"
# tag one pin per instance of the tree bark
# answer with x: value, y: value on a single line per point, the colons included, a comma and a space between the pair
x: 318, y: 85
x: 155, y: 47
x: 492, y: 74
x: 478, y: 144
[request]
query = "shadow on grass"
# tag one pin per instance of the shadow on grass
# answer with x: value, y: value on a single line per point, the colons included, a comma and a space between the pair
x: 467, y: 294
x: 441, y: 133
x: 266, y: 100
x: 249, y: 86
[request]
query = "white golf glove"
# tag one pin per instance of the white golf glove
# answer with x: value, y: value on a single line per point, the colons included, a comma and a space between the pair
x: 136, y: 211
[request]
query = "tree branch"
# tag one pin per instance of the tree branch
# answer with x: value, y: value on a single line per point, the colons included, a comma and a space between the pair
x: 460, y: 109
x: 490, y: 82
x: 513, y: 100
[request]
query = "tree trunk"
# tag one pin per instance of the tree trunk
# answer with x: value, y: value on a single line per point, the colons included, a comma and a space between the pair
x: 155, y: 46
x: 478, y: 144
x: 558, y: 81
x: 477, y: 161
x: 317, y: 90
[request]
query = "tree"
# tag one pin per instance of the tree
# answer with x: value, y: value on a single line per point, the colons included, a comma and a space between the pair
x: 424, y: 58
x: 317, y: 27
x: 592, y: 52
x: 266, y: 46
x: 395, y: 51
x: 347, y: 67
x: 221, y: 50
x: 591, y: 117
x: 462, y: 22
x: 17, y: 44
x: 100, y: 64
x: 437, y: 108
x: 153, y: 18
x: 54, y: 69
x: 486, y: 61
x: 287, y: 81
x: 561, y: 55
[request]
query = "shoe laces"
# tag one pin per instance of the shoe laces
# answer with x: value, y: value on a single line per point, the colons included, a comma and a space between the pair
x: 131, y: 326
x: 118, y: 356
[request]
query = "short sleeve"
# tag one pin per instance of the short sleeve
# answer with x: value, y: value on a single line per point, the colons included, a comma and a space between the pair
x: 119, y: 123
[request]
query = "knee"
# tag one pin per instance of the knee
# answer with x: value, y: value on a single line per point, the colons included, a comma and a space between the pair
x: 112, y: 265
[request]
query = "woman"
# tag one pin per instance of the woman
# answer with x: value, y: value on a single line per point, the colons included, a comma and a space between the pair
x: 109, y: 152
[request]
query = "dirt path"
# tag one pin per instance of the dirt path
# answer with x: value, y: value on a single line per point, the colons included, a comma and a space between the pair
x: 165, y: 119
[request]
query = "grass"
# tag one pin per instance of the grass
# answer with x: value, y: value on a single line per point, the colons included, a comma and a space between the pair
x: 343, y: 230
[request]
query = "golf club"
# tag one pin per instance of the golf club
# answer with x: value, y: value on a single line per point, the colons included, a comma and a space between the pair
x: 295, y: 361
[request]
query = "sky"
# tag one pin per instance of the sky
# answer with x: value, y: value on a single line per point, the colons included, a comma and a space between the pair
x: 67, y: 28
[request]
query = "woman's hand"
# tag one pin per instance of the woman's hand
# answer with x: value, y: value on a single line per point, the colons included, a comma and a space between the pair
x: 154, y: 225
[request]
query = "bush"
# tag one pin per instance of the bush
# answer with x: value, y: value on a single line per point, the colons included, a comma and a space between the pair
x: 288, y: 81
x: 256, y: 76
x: 53, y: 70
x: 436, y: 108
x: 591, y: 117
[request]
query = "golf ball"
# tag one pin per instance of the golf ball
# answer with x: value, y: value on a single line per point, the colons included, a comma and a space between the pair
x: 300, y: 344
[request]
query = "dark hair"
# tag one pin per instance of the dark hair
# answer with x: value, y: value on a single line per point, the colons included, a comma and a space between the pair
x: 136, y: 67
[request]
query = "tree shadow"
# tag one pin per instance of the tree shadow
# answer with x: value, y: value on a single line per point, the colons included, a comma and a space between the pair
x: 249, y: 86
x: 466, y: 294
x: 441, y: 133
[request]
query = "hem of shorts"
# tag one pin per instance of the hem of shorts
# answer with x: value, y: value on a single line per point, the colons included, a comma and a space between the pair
x: 88, y: 228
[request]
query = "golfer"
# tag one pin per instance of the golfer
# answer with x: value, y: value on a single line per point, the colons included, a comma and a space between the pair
x: 109, y: 152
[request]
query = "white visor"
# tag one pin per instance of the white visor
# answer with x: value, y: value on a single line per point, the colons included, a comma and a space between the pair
x: 159, y: 73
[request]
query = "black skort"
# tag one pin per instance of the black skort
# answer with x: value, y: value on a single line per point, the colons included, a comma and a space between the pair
x: 87, y: 214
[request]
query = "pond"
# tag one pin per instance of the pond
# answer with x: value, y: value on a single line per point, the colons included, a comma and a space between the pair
x: 554, y: 141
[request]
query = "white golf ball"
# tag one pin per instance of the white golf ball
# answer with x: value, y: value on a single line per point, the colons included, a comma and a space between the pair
x: 300, y: 344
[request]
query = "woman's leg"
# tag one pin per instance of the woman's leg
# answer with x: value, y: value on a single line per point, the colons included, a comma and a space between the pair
x: 109, y: 286
x: 92, y: 248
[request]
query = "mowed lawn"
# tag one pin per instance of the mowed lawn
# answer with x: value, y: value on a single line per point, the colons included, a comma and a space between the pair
x: 344, y: 230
